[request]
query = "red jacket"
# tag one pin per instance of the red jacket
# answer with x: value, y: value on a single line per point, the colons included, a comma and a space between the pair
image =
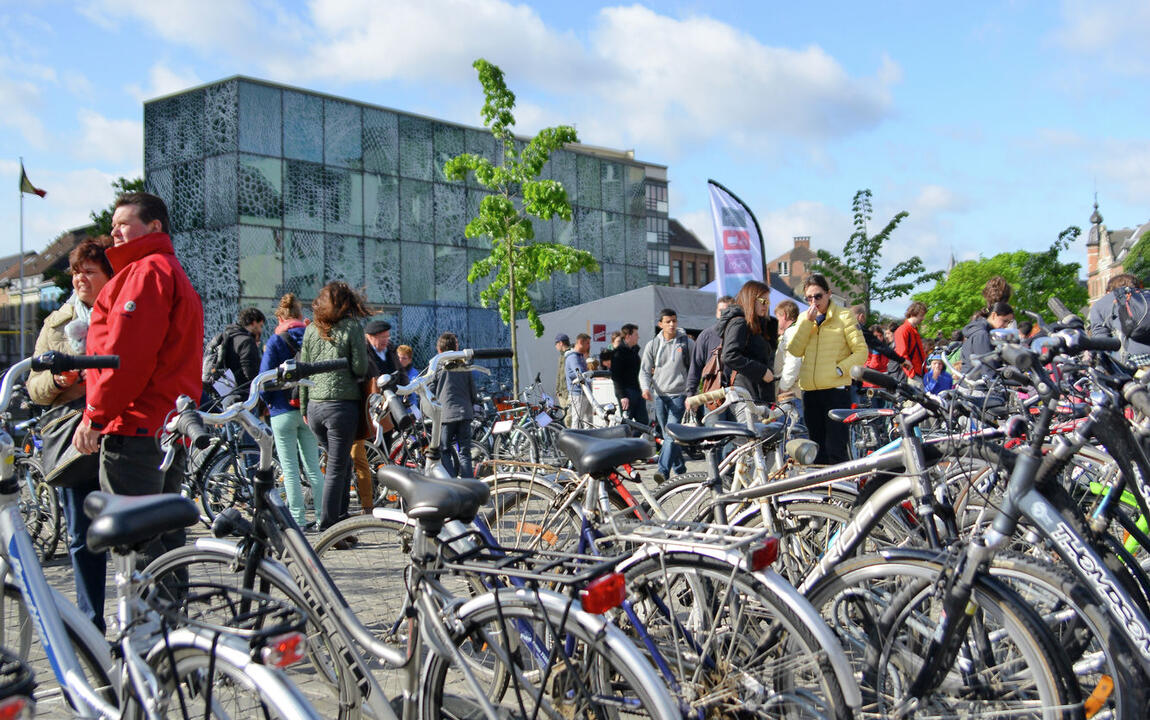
x: 908, y: 343
x: 151, y: 317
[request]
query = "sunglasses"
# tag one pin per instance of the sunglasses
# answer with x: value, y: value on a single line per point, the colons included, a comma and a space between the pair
x: 816, y: 297
x: 763, y: 301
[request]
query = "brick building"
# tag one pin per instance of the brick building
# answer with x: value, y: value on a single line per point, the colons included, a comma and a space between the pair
x: 692, y: 263
x: 1106, y: 251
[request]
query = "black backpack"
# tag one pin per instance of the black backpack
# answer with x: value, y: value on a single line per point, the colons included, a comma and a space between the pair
x: 1133, y: 306
x: 215, y: 354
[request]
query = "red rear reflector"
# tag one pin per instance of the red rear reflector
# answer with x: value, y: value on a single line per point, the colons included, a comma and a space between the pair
x: 765, y: 555
x: 284, y: 650
x: 17, y: 707
x: 603, y: 593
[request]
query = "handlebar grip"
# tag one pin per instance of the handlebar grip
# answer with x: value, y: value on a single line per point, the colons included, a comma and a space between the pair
x: 303, y: 370
x: 398, y: 411
x: 600, y: 373
x: 1099, y: 343
x: 695, y: 401
x: 1018, y: 356
x: 1137, y: 395
x: 874, y: 377
x: 57, y: 362
x: 1012, y: 374
x: 191, y: 425
x: 490, y: 353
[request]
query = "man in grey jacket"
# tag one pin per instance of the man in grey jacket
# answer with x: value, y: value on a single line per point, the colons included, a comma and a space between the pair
x: 1103, y: 320
x: 663, y: 378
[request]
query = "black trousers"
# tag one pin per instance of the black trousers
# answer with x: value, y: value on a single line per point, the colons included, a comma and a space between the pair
x: 831, y: 436
x: 130, y: 465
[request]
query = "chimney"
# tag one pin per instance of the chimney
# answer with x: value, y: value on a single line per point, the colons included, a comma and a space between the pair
x: 803, y: 241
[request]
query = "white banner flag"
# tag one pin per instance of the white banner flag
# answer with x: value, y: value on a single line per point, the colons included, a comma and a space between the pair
x: 738, y: 242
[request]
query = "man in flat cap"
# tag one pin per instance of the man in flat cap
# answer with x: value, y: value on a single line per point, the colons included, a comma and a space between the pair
x: 381, y: 357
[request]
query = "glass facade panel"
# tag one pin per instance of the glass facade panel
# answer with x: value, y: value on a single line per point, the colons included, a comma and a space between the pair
x: 382, y: 270
x: 380, y: 141
x: 186, y: 208
x: 381, y: 205
x: 221, y: 119
x: 343, y: 260
x: 342, y: 134
x: 614, y: 279
x: 220, y: 206
x: 590, y: 193
x: 303, y: 195
x: 261, y: 119
x: 303, y: 264
x: 449, y: 142
x: 451, y: 275
x: 613, y: 193
x: 589, y: 230
x: 343, y: 201
x: 303, y: 127
x: 415, y: 148
x: 416, y: 211
x: 450, y: 213
x: 261, y: 262
x: 418, y: 284
x: 260, y: 181
x: 614, y: 247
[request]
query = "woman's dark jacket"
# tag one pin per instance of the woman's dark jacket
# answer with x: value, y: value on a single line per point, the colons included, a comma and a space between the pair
x: 749, y: 355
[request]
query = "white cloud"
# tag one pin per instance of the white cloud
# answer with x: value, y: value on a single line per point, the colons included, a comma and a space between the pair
x: 935, y: 198
x: 163, y: 80
x: 1112, y: 30
x: 72, y: 195
x: 119, y: 142
x: 20, y: 91
x: 1126, y: 164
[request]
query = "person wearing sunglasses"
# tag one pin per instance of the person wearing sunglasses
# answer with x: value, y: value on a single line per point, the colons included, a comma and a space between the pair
x: 830, y: 344
x: 750, y: 336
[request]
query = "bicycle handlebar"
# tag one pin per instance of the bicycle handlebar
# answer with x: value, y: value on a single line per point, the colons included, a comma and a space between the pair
x: 303, y: 370
x: 695, y: 401
x: 874, y: 377
x: 58, y: 362
x: 489, y: 353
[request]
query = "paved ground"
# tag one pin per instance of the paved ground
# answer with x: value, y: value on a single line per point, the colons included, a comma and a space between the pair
x: 59, y: 574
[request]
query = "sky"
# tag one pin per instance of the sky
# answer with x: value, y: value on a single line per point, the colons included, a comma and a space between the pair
x: 993, y: 124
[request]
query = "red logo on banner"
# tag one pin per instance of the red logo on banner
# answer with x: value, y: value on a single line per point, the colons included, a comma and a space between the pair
x: 599, y: 333
x: 738, y: 264
x: 736, y: 240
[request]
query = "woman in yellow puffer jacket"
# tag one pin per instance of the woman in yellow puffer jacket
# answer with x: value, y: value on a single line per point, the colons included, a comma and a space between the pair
x: 830, y: 344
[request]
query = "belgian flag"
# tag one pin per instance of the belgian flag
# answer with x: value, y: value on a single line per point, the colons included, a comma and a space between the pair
x: 26, y: 185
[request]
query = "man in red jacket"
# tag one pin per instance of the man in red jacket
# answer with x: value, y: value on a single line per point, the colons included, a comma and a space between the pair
x: 151, y: 317
x: 908, y: 342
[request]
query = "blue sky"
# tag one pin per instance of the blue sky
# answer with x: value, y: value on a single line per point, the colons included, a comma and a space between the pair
x: 992, y: 123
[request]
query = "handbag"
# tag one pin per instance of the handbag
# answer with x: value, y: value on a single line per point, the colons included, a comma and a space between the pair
x: 64, y: 465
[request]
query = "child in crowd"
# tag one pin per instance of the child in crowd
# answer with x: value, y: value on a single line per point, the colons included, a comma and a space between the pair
x: 937, y: 378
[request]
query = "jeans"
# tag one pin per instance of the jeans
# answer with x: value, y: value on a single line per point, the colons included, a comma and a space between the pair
x: 832, y: 437
x: 335, y: 423
x: 294, y: 439
x: 457, y: 431
x: 637, y: 406
x: 579, y: 413
x: 668, y: 409
x: 130, y: 465
x: 90, y: 568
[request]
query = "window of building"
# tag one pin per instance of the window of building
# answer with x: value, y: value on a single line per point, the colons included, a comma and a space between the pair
x: 784, y: 268
x: 656, y: 197
x: 657, y: 231
x: 690, y: 274
x: 676, y: 272
x: 704, y: 273
x: 657, y: 261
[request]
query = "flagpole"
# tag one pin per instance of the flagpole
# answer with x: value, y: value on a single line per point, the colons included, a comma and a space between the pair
x: 21, y: 261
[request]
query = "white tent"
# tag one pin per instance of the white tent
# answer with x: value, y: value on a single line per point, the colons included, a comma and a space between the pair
x: 599, y: 318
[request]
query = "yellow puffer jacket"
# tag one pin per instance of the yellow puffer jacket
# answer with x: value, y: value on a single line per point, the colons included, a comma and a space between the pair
x: 829, y: 351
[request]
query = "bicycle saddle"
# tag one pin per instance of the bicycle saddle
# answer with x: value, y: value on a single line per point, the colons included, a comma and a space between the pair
x: 719, y: 432
x: 611, y: 431
x: 130, y: 521
x: 591, y: 455
x: 851, y: 415
x: 434, y: 500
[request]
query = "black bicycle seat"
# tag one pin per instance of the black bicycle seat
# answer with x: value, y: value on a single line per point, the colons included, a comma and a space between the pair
x: 698, y: 434
x: 434, y: 500
x: 130, y: 521
x: 593, y: 455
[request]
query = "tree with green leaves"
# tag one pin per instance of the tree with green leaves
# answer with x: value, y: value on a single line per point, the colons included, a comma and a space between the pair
x: 1137, y: 260
x: 103, y: 218
x: 856, y: 272
x: 1034, y: 277
x: 516, y: 262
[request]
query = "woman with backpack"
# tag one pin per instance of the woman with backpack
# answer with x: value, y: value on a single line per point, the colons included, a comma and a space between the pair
x: 332, y: 407
x: 294, y: 439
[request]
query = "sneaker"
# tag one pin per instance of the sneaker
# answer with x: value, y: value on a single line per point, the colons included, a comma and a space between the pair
x: 658, y: 479
x: 311, y: 528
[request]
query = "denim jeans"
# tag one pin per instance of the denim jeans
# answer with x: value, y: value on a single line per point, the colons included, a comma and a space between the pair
x: 670, y: 408
x: 458, y: 431
x: 295, y: 440
x: 90, y: 568
x: 335, y: 423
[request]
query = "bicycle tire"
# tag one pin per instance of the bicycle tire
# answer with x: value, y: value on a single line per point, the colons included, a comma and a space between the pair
x: 203, y: 683
x: 320, y: 675
x: 18, y: 635
x: 517, y: 444
x: 39, y: 507
x: 873, y: 603
x: 593, y: 680
x: 736, y: 646
x: 226, y: 480
x: 528, y: 512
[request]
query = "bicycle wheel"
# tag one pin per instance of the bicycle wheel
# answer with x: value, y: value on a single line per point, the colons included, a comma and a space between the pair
x: 525, y: 512
x: 320, y: 677
x: 516, y: 444
x: 38, y: 507
x: 507, y: 643
x: 226, y: 480
x: 18, y: 636
x: 733, y: 644
x: 683, y: 496
x: 885, y: 609
x: 200, y: 683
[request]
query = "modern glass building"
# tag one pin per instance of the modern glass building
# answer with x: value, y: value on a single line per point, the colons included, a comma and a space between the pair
x: 274, y: 189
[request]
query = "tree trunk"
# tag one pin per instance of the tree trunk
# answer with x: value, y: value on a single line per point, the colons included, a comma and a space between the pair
x: 511, y: 297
